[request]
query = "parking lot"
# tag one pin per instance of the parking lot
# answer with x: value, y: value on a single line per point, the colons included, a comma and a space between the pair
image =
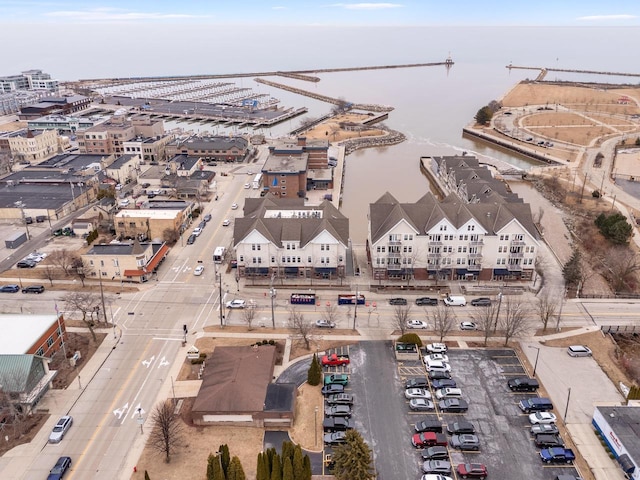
x: 382, y: 414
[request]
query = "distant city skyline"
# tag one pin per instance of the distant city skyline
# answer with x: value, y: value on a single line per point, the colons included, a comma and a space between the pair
x: 306, y: 12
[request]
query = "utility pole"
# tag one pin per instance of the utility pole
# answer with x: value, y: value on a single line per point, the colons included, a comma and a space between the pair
x: 219, y: 274
x: 272, y: 294
x: 495, y: 324
x: 104, y: 310
x: 355, y: 310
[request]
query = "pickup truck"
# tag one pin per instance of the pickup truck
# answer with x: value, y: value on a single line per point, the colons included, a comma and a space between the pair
x: 429, y: 439
x: 335, y: 360
x: 557, y: 455
x: 340, y: 378
x: 336, y: 424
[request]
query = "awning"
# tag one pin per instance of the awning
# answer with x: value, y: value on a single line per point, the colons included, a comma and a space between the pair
x: 156, y: 259
x: 290, y: 269
x: 461, y: 271
x: 500, y: 271
x: 324, y: 270
x: 134, y: 273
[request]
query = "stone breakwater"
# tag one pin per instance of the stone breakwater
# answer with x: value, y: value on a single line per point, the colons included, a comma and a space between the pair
x: 392, y: 137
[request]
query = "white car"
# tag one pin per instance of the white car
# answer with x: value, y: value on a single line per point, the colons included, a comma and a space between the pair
x: 468, y: 326
x: 542, y: 418
x: 437, y: 348
x: 198, y: 270
x: 60, y: 429
x: 234, y: 206
x: 417, y: 324
x: 423, y: 404
x: 575, y: 350
x: 437, y: 365
x: 124, y: 203
x: 434, y: 357
x: 197, y: 231
x: 434, y: 476
x: 226, y: 222
x: 416, y: 393
x: 321, y: 323
x: 237, y: 303
x: 448, y: 392
x: 247, y: 185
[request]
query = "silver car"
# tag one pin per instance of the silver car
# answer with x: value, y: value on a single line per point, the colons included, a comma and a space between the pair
x: 60, y: 429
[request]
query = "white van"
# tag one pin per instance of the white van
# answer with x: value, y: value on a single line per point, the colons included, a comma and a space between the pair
x: 455, y: 301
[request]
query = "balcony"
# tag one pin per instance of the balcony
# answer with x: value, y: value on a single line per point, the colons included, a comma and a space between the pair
x: 516, y: 254
x: 476, y: 242
x: 475, y: 256
x: 435, y: 242
x: 518, y: 242
x: 474, y: 268
x: 394, y: 242
x: 393, y: 255
x: 514, y: 268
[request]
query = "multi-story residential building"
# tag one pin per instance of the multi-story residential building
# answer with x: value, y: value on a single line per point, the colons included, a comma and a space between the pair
x: 215, y: 149
x: 62, y: 123
x: 286, y: 176
x: 150, y: 149
x: 317, y: 150
x: 32, y: 146
x: 184, y: 166
x: 111, y: 136
x: 9, y: 103
x: 28, y: 80
x: 129, y: 262
x: 451, y: 240
x: 286, y: 238
x: 146, y: 223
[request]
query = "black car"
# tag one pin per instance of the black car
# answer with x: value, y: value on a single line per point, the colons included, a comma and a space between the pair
x: 545, y: 440
x: 397, y: 301
x: 523, y: 384
x: 60, y: 468
x: 438, y: 375
x: 435, y: 453
x: 428, y: 426
x: 26, y: 264
x: 459, y: 427
x: 336, y: 424
x: 419, y: 382
x: 9, y: 289
x: 33, y: 289
x: 192, y: 239
x: 452, y: 405
x: 481, y: 302
x: 426, y: 301
x: 443, y: 383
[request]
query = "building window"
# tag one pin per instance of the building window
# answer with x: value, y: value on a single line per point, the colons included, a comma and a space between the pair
x: 471, y: 228
x: 40, y: 352
x: 241, y: 258
x: 273, y: 259
x: 102, y: 263
x: 50, y: 341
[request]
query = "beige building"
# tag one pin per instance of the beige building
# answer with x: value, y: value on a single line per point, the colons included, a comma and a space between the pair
x: 32, y: 146
x: 110, y: 137
x: 129, y: 262
x: 150, y: 149
x: 150, y: 223
x: 124, y: 169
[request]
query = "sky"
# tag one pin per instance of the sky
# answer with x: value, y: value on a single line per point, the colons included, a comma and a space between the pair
x: 307, y: 12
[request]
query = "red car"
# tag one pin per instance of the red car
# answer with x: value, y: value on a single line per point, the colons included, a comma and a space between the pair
x: 472, y: 470
x: 428, y: 439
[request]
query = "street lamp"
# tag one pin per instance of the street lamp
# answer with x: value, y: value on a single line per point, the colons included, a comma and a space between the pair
x: 355, y: 310
x: 535, y: 365
x: 315, y: 430
x: 219, y: 275
x: 20, y: 205
x: 272, y: 295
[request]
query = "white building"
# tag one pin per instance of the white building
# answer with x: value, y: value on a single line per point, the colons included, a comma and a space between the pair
x: 282, y: 236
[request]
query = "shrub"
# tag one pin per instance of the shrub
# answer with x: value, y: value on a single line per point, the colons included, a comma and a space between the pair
x: 411, y: 338
x: 272, y: 342
x: 595, y: 194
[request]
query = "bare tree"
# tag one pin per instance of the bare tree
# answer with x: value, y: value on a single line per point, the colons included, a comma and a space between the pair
x: 10, y: 408
x: 49, y: 273
x: 621, y: 264
x: 249, y: 315
x: 80, y: 270
x: 167, y: 429
x: 514, y: 321
x: 63, y: 259
x: 484, y: 318
x: 301, y: 326
x: 85, y: 303
x: 545, y: 307
x: 443, y: 319
x: 401, y: 316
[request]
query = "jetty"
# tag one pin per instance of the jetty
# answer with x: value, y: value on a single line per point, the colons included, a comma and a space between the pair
x: 545, y: 70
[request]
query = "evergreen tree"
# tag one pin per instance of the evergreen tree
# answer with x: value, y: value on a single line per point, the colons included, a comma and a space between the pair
x: 307, y: 468
x: 231, y: 471
x: 314, y: 374
x: 484, y: 115
x: 218, y: 474
x: 239, y: 471
x: 572, y: 270
x: 353, y: 459
x: 146, y: 475
x: 298, y: 463
x: 287, y: 470
x: 287, y: 452
x: 225, y: 458
x: 211, y: 459
x: 276, y: 468
x: 260, y: 468
x: 271, y: 453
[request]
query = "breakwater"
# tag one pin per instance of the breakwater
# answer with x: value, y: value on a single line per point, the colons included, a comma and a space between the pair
x: 392, y: 137
x: 568, y: 70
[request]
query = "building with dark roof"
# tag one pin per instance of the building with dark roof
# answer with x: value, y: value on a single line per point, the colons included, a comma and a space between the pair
x: 217, y: 148
x: 237, y: 390
x: 619, y: 427
x: 66, y: 105
x: 285, y: 237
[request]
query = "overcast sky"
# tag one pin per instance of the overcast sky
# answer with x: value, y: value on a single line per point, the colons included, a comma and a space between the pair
x: 308, y: 12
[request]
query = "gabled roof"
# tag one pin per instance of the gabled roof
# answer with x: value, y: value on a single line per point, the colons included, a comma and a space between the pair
x: 20, y: 373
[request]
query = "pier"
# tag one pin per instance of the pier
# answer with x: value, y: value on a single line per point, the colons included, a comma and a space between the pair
x: 545, y: 70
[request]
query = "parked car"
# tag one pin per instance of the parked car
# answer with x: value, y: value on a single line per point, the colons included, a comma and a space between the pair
x: 338, y: 411
x: 60, y: 428
x: 444, y: 383
x: 579, y: 351
x: 33, y: 289
x: 332, y: 388
x: 442, y: 467
x: 437, y: 365
x: 26, y: 264
x: 465, y: 441
x: 542, y: 417
x: 237, y: 303
x: 455, y: 301
x: 335, y: 438
x: 426, y: 301
x: 428, y: 425
x: 481, y: 302
x: 192, y: 239
x: 60, y: 468
x: 535, y: 404
x: 436, y: 357
x: 543, y: 428
x: 340, y: 378
x: 207, y: 217
x: 453, y: 405
x: 434, y: 476
x: 523, y: 384
x: 197, y: 231
x: 325, y: 324
x: 435, y: 453
x: 11, y: 288
x: 557, y: 455
x: 437, y: 348
x: 438, y: 375
x: 410, y: 393
x: 460, y: 427
x: 336, y: 424
x: 468, y: 326
x: 428, y: 439
x: 448, y: 392
x: 247, y: 185
x: 234, y: 206
x: 419, y: 324
x: 421, y: 404
x: 397, y: 301
x: 545, y: 440
x: 472, y: 470
x: 340, y: 399
x: 419, y: 382
x: 198, y: 270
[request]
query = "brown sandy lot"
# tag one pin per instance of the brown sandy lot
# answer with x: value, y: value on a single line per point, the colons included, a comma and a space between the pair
x: 333, y: 131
